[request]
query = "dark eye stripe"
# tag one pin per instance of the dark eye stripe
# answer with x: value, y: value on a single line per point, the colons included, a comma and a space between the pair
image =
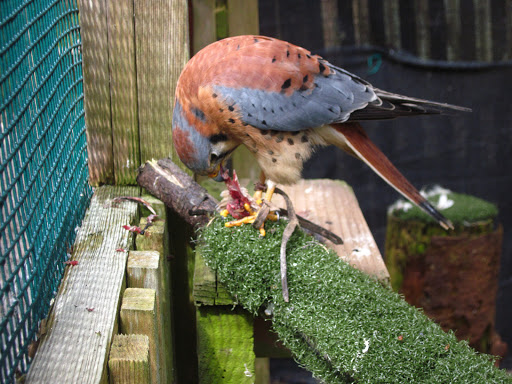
x: 214, y: 139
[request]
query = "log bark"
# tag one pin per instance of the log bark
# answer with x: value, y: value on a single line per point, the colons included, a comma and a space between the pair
x: 166, y: 181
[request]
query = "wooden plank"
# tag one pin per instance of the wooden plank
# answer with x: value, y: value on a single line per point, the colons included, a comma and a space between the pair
x: 204, y: 24
x: 162, y: 50
x: 243, y: 17
x: 146, y: 269
x: 138, y: 316
x: 93, y: 28
x: 129, y: 360
x: 123, y: 91
x: 83, y: 321
x: 333, y: 205
x: 225, y: 345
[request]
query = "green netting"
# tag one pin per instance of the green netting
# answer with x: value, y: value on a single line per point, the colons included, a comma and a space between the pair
x: 43, y: 164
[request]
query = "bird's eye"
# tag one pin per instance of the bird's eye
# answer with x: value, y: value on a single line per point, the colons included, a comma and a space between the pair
x: 214, y: 158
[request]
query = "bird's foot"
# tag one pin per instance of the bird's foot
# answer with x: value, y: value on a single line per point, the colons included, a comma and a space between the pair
x: 244, y: 209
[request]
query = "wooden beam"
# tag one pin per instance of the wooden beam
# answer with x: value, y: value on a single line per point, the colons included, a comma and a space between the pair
x: 84, y: 316
x: 138, y: 316
x: 129, y: 360
x: 93, y: 28
x: 123, y: 91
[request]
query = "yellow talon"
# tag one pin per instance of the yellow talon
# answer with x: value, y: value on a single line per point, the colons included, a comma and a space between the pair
x: 259, y: 201
x: 239, y: 222
x: 224, y: 213
x: 248, y: 208
x: 272, y: 217
x: 262, y: 231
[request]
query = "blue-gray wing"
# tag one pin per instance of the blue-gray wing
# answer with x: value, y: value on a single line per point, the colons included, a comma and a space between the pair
x: 331, y: 99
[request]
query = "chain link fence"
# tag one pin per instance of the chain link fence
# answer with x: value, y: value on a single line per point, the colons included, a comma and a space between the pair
x: 43, y: 166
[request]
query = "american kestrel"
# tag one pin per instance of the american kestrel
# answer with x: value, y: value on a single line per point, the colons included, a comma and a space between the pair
x: 282, y: 102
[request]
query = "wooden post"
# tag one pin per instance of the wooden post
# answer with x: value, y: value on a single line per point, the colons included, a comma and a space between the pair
x: 438, y: 270
x: 129, y: 360
x: 93, y: 28
x: 225, y: 345
x: 145, y: 269
x: 123, y: 90
x: 138, y: 316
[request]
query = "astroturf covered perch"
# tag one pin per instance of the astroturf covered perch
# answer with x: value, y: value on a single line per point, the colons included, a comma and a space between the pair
x: 340, y: 324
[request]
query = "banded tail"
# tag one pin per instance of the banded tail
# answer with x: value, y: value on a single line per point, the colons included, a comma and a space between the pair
x: 359, y: 144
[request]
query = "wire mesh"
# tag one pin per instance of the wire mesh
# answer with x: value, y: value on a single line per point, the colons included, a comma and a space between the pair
x: 43, y: 165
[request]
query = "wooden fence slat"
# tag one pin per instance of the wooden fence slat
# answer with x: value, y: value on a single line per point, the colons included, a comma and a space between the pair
x: 123, y: 89
x: 93, y: 26
x: 84, y: 317
x: 162, y: 50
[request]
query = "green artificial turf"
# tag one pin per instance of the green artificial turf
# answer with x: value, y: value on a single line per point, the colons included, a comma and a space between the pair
x: 339, y: 324
x: 465, y: 209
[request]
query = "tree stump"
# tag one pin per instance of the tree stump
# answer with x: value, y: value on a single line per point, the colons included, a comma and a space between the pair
x: 452, y: 275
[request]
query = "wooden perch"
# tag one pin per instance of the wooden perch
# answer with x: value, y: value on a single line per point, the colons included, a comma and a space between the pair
x: 166, y: 181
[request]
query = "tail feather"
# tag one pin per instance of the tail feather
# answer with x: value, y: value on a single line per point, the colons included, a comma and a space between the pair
x: 359, y: 143
x: 390, y: 105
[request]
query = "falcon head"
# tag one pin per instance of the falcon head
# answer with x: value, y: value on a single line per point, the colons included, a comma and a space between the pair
x: 204, y: 154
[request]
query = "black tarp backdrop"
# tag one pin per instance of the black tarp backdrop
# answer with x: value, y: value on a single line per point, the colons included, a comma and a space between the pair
x: 468, y: 153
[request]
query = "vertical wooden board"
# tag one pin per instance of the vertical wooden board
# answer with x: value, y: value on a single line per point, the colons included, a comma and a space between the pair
x: 204, y: 24
x: 123, y: 91
x: 225, y: 345
x: 243, y: 17
x: 84, y: 317
x: 162, y: 50
x: 93, y: 28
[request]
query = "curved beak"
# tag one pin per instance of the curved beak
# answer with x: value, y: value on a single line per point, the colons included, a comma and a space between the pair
x: 220, y: 174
